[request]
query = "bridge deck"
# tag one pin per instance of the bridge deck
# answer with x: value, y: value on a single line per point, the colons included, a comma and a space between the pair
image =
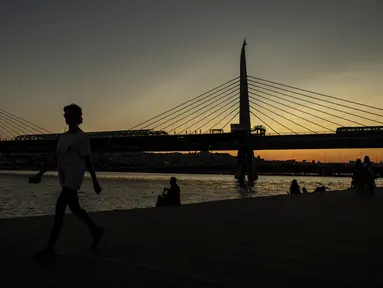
x: 309, y: 240
x: 225, y: 141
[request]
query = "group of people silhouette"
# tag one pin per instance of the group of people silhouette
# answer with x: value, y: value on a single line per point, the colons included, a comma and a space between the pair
x: 73, y: 157
x: 295, y: 189
x: 363, y: 180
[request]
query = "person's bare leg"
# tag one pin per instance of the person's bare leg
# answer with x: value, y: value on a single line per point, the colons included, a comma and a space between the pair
x: 74, y: 206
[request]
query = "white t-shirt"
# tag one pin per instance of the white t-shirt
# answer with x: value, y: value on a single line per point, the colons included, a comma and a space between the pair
x: 71, y: 151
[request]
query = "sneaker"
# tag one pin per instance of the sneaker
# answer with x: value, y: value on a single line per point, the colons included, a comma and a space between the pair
x: 97, y: 234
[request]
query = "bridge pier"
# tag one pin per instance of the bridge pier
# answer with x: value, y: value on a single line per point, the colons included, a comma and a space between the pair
x: 246, y: 166
x: 245, y: 158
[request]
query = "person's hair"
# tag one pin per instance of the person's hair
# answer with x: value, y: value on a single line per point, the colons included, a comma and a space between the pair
x: 74, y: 111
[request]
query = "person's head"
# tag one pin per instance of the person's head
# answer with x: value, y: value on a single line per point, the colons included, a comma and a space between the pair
x: 294, y: 183
x: 173, y: 180
x: 304, y: 190
x: 366, y: 159
x: 358, y: 161
x: 73, y: 115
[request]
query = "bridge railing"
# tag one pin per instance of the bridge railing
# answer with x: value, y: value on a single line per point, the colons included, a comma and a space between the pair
x: 300, y: 133
x: 116, y: 135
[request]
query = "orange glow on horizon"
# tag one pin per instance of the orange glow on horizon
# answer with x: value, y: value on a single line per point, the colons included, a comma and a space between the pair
x: 324, y: 155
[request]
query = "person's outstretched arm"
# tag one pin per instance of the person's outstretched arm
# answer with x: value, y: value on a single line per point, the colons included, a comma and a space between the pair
x: 49, y: 162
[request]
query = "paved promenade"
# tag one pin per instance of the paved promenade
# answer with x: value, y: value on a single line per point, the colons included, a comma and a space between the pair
x: 329, y: 240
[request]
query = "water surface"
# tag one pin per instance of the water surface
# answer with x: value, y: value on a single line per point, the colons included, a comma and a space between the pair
x: 139, y: 190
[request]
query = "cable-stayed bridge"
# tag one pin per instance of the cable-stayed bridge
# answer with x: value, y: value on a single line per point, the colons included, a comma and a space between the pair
x: 245, y: 114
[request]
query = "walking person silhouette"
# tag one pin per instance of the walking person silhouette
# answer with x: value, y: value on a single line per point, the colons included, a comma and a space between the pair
x: 73, y: 156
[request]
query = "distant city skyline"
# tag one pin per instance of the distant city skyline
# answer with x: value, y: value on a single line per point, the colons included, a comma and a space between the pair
x: 325, y: 155
x: 330, y: 155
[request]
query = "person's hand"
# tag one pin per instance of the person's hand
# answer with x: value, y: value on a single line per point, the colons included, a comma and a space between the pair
x: 35, y: 179
x: 97, y: 188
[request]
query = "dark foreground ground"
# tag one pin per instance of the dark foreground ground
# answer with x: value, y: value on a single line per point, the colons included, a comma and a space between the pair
x: 329, y: 240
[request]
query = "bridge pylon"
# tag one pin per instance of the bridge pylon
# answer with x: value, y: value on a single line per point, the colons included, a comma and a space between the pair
x: 245, y: 159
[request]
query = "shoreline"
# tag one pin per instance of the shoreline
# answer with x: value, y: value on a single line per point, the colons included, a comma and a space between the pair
x: 12, y: 171
x: 345, y: 192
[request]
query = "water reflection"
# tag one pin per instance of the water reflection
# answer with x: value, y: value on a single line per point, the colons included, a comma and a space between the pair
x: 245, y: 189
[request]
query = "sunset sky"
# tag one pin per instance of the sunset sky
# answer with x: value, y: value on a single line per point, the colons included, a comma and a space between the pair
x: 126, y: 61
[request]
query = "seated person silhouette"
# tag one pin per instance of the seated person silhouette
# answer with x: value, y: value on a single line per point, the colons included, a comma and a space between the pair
x: 320, y: 189
x: 172, y: 197
x: 294, y: 187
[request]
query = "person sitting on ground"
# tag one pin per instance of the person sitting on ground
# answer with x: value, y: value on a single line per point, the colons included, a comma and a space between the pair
x: 320, y: 189
x: 172, y: 197
x: 294, y: 187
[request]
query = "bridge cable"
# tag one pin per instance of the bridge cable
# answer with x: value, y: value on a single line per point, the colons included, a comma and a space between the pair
x: 228, y: 108
x: 318, y: 104
x: 12, y: 123
x: 14, y: 131
x: 295, y: 115
x: 223, y: 118
x: 272, y: 119
x: 235, y: 114
x: 8, y: 129
x: 312, y: 108
x: 207, y: 100
x: 316, y: 93
x: 230, y: 120
x: 25, y: 122
x: 210, y: 98
x: 5, y: 137
x: 233, y: 97
x: 230, y: 94
x: 276, y: 107
x: 294, y: 108
x: 21, y: 126
x: 316, y: 98
x: 263, y: 121
x: 193, y: 99
x: 231, y: 112
x: 196, y: 99
x: 283, y: 116
x: 215, y: 111
x: 7, y: 132
x: 236, y: 83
